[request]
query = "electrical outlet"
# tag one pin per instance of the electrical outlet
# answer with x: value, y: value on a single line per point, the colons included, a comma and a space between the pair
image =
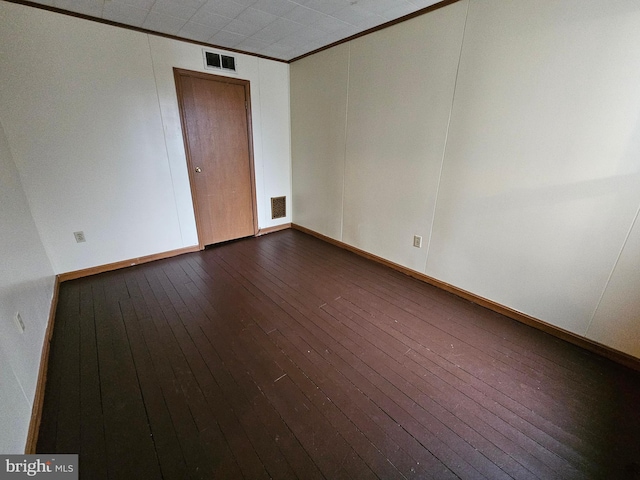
x: 19, y: 322
x: 417, y: 241
x: 79, y: 237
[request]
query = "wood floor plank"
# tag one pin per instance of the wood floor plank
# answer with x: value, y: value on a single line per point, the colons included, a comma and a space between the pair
x: 170, y: 457
x: 68, y: 438
x: 217, y: 460
x: 286, y: 357
x: 299, y: 368
x: 93, y: 459
x: 68, y: 306
x: 442, y: 341
x: 425, y: 419
x: 129, y: 445
x: 273, y: 422
x: 266, y: 373
x: 431, y: 296
x: 291, y: 332
x: 211, y: 397
x: 364, y: 381
x: 474, y: 415
x: 310, y: 389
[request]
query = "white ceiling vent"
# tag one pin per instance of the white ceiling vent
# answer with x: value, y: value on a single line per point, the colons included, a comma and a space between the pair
x: 218, y: 61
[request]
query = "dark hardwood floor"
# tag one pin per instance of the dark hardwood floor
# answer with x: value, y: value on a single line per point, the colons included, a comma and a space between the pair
x: 286, y: 357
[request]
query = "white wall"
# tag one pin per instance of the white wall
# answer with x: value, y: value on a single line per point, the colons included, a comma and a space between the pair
x: 400, y: 91
x: 359, y: 111
x: 90, y: 112
x: 26, y: 286
x: 318, y: 127
x: 540, y: 183
x: 540, y: 179
x: 617, y: 319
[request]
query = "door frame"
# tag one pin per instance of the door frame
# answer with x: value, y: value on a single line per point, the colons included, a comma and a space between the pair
x: 177, y: 74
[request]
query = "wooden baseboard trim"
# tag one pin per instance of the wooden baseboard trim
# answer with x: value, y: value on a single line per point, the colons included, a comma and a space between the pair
x: 125, y: 263
x: 603, y: 350
x: 38, y: 400
x: 277, y: 228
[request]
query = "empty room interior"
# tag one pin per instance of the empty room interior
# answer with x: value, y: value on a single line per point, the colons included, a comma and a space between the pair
x: 400, y: 241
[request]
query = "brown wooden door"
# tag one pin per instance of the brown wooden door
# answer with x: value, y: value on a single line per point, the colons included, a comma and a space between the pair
x: 216, y: 122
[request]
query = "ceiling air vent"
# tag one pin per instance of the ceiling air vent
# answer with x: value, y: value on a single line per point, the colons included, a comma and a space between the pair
x: 278, y: 207
x: 219, y: 61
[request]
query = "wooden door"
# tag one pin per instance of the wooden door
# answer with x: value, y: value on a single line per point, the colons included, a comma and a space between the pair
x: 216, y: 123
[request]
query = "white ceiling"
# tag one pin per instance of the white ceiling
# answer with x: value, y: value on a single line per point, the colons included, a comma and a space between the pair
x: 282, y: 29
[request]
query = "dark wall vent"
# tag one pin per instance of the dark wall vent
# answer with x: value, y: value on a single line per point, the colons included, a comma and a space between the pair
x: 218, y: 61
x: 278, y: 207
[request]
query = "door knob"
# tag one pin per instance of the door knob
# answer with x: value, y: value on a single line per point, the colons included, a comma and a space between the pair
x: 198, y: 170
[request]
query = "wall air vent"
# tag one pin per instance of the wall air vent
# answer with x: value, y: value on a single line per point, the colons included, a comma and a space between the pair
x: 278, y: 207
x: 218, y: 61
